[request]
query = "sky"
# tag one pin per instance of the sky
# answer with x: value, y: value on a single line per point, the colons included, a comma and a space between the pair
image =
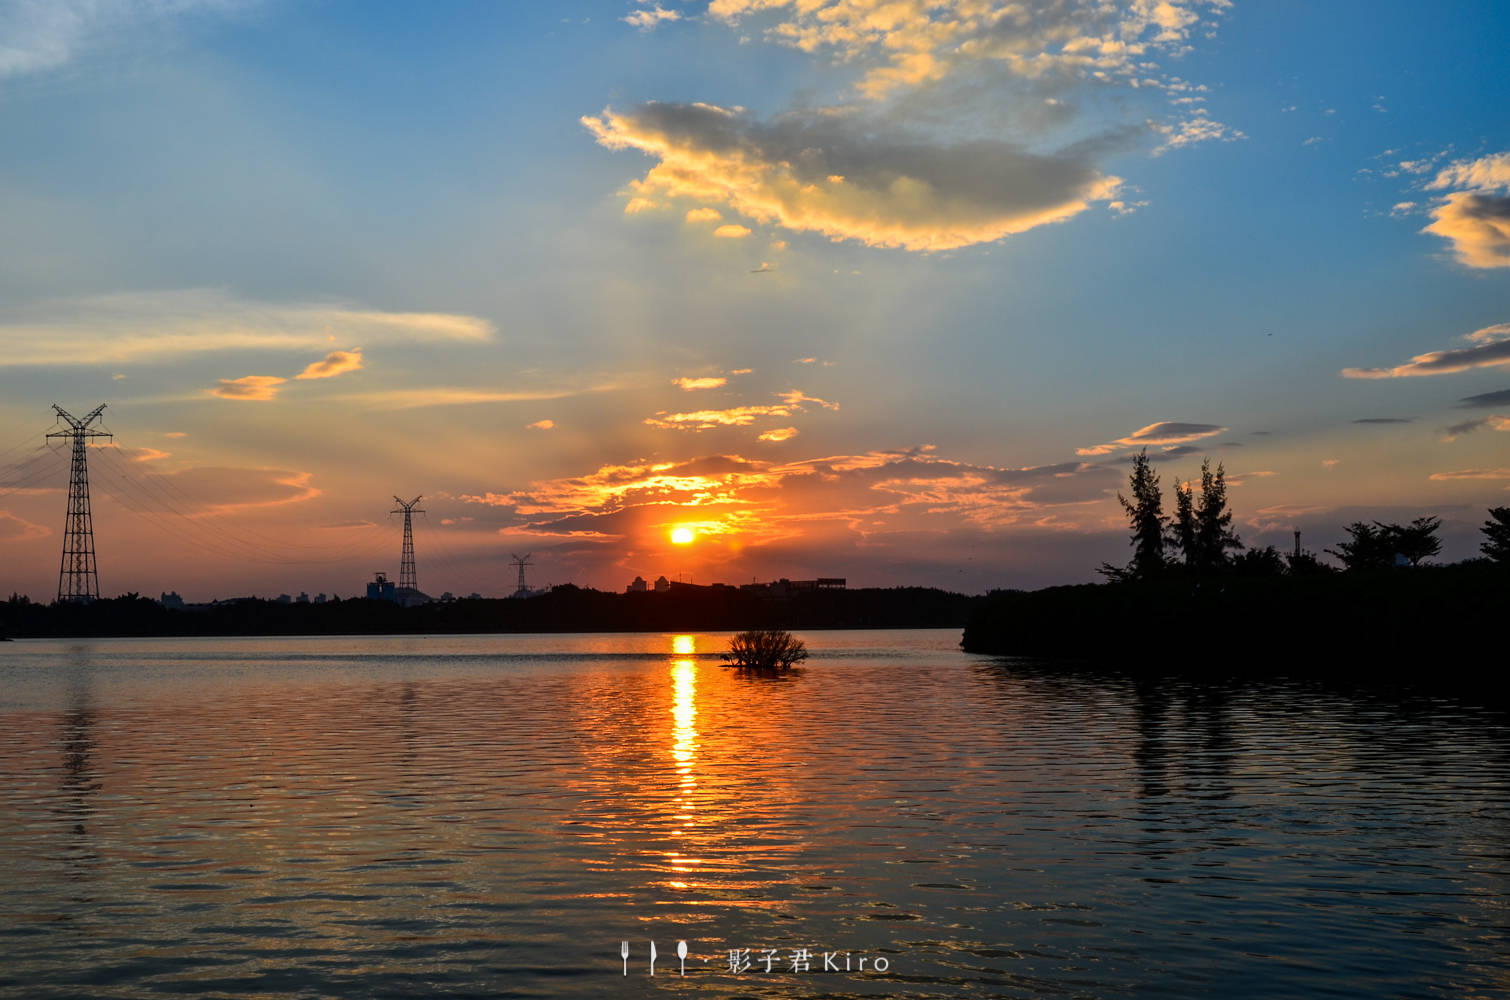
x: 891, y: 290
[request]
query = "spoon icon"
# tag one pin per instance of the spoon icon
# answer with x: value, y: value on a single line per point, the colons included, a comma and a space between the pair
x: 624, y: 953
x: 681, y: 953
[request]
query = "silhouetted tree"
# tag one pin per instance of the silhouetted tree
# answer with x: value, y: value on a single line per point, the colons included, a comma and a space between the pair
x: 1497, y: 535
x: 1182, y: 529
x: 1379, y: 545
x: 1368, y: 547
x: 1145, y: 515
x: 1259, y: 562
x: 1305, y: 564
x: 1213, y: 521
x: 1416, y: 540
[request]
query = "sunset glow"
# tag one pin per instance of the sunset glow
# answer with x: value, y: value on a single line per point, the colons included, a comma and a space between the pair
x: 892, y: 292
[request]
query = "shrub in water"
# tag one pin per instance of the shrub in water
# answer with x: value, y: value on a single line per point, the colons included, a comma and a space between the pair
x: 765, y: 649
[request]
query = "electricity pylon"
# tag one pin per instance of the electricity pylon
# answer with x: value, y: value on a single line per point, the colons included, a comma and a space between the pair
x: 406, y: 575
x: 78, y: 578
x: 523, y: 590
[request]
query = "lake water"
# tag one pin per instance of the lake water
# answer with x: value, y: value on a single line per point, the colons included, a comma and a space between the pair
x: 493, y: 816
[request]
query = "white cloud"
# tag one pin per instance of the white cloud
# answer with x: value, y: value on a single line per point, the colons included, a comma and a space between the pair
x: 41, y: 35
x: 647, y: 18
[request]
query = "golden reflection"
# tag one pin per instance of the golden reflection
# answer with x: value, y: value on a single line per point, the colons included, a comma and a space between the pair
x: 684, y: 746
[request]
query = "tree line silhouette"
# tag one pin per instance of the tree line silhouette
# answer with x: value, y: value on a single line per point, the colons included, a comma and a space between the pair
x: 1386, y: 613
x: 1199, y: 540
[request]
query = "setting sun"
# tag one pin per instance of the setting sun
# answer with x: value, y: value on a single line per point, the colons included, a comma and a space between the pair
x: 681, y: 536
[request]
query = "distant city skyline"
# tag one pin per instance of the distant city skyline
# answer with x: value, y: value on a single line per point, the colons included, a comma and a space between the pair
x: 891, y: 292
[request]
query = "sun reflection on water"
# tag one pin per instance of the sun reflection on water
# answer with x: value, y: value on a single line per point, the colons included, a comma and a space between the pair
x: 684, y: 746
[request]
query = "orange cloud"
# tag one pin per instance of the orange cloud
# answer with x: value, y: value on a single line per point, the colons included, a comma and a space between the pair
x: 910, y: 43
x: 704, y: 215
x: 793, y: 401
x: 1476, y: 221
x: 333, y: 364
x: 1473, y: 474
x: 541, y: 425
x: 779, y: 434
x: 250, y: 387
x: 707, y: 382
x: 1491, y: 346
x: 732, y: 232
x: 1166, y: 432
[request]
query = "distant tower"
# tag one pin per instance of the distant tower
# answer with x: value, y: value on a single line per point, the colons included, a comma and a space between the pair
x: 523, y: 590
x: 78, y: 579
x: 1297, y: 543
x: 406, y: 575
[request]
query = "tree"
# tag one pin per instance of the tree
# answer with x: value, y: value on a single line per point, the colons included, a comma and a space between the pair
x: 1497, y: 535
x: 1417, y: 540
x: 1182, y: 531
x: 1145, y: 515
x: 1259, y: 562
x: 1213, y: 521
x: 1367, y: 549
x: 1379, y: 545
x: 765, y: 649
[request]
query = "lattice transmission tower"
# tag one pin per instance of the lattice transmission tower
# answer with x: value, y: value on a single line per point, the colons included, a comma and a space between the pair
x: 406, y: 575
x: 521, y: 562
x: 78, y: 577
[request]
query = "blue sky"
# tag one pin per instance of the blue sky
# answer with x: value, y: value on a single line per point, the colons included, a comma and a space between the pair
x: 953, y: 262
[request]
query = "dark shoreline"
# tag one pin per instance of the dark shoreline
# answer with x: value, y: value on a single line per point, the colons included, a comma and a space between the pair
x: 563, y: 609
x: 1438, y: 623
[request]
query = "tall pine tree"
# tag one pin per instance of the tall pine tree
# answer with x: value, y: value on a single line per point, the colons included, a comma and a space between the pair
x: 1213, y: 521
x: 1182, y: 533
x: 1145, y: 515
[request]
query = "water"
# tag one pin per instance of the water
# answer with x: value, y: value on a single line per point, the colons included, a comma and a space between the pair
x: 493, y: 816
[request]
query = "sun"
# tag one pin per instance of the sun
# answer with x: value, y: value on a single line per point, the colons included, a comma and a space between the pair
x: 681, y: 536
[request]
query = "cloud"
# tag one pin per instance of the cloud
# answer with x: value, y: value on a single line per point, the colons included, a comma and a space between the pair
x: 1165, y: 432
x: 1383, y: 420
x: 732, y: 232
x: 48, y: 35
x: 1491, y: 347
x: 151, y: 326
x: 1495, y: 421
x: 1477, y: 225
x: 1476, y: 220
x: 18, y: 529
x: 250, y: 387
x: 868, y: 498
x: 447, y: 395
x: 1500, y: 398
x: 792, y: 402
x: 707, y: 382
x: 912, y: 43
x: 815, y: 172
x: 703, y: 215
x: 648, y: 18
x: 1473, y: 474
x: 333, y: 364
x: 541, y: 425
x: 779, y: 434
x: 1191, y: 131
